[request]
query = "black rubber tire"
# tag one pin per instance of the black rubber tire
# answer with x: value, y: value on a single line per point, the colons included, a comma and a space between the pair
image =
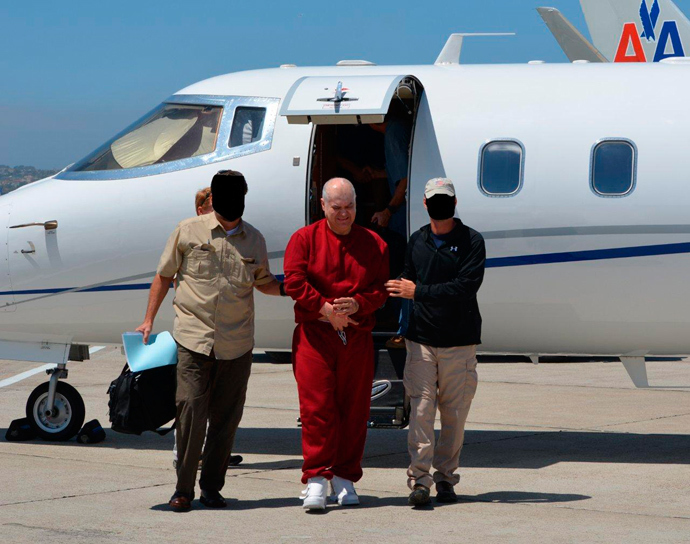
x: 75, y: 419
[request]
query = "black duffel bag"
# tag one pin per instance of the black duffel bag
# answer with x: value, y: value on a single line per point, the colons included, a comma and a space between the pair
x: 143, y: 401
x: 19, y: 431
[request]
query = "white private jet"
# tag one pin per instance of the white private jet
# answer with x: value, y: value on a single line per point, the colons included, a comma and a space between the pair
x: 577, y: 175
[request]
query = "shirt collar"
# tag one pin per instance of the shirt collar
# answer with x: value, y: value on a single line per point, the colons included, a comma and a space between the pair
x: 429, y: 234
x: 212, y: 223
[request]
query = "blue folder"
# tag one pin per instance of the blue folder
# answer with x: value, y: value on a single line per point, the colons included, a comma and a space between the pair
x: 160, y: 351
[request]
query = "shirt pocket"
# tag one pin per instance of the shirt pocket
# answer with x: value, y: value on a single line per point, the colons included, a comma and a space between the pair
x: 202, y: 265
x: 246, y: 272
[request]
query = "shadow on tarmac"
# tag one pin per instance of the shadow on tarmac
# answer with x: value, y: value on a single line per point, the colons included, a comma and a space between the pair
x: 370, y: 501
x: 483, y: 449
x: 487, y: 449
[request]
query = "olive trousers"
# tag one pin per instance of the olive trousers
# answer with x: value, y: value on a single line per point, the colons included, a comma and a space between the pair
x: 212, y: 391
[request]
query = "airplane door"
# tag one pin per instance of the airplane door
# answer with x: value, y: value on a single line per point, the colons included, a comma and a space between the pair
x: 325, y: 101
x: 425, y: 164
x: 6, y: 294
x: 341, y: 100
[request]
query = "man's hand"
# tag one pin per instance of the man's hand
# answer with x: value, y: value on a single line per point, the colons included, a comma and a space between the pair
x: 159, y: 288
x: 382, y: 218
x: 145, y: 329
x: 401, y: 288
x: 345, y: 306
x: 338, y: 321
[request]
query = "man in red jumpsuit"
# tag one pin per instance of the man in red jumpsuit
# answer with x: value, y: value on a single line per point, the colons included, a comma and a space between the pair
x: 335, y: 271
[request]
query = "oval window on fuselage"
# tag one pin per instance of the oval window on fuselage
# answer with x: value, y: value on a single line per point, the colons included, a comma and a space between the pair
x: 501, y: 168
x: 613, y: 168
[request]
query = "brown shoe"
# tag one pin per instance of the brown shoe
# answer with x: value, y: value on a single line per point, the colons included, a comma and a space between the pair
x: 419, y: 496
x: 180, y: 502
x: 397, y: 342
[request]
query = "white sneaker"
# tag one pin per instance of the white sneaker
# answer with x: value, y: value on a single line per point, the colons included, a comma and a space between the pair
x: 316, y: 493
x: 344, y: 492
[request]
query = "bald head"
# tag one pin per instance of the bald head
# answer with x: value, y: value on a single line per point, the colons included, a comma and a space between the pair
x: 340, y: 188
x: 338, y: 203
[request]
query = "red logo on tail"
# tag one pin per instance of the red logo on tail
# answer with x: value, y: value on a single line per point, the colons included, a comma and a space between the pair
x: 630, y: 37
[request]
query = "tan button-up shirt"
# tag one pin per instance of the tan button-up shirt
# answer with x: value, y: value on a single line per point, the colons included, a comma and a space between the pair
x: 216, y: 275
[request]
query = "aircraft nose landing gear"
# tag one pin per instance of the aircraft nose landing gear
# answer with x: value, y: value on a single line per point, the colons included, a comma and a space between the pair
x: 55, y: 409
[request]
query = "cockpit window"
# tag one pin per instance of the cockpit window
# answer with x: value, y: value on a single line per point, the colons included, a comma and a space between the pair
x: 247, y: 126
x: 170, y: 133
x: 186, y: 131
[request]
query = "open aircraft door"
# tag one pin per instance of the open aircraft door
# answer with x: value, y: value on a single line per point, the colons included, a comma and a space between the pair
x: 342, y: 99
x: 329, y: 102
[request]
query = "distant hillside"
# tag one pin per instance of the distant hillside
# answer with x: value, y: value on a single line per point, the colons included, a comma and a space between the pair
x: 12, y: 178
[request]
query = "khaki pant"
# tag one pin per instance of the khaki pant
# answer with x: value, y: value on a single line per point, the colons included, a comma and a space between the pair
x: 208, y: 390
x: 447, y: 378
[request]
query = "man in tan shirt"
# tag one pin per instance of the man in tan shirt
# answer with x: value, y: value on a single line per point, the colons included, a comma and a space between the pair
x: 217, y: 259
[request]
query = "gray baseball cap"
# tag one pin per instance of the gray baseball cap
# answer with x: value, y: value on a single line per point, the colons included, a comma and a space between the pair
x: 439, y: 186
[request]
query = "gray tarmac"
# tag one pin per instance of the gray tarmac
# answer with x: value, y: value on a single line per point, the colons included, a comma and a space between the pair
x: 553, y: 453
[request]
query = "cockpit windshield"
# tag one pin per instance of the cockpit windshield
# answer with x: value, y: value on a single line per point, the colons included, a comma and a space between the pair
x: 171, y: 132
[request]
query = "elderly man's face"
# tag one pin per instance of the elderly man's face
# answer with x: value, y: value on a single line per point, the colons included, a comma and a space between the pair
x: 340, y: 210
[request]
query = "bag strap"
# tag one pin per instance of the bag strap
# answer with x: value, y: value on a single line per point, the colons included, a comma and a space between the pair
x: 163, y: 432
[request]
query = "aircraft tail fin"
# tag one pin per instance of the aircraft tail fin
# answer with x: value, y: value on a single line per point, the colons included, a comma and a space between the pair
x: 637, y: 30
x: 571, y: 40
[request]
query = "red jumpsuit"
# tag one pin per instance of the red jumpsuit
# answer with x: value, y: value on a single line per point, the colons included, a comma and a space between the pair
x: 334, y: 379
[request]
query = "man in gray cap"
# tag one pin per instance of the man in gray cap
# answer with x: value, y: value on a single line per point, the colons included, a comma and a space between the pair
x: 444, y: 268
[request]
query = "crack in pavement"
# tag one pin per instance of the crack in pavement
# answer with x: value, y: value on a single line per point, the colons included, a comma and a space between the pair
x: 619, y: 512
x: 651, y: 388
x: 279, y: 408
x: 522, y: 426
x: 646, y: 420
x: 72, y: 533
x: 78, y: 495
x: 87, y: 461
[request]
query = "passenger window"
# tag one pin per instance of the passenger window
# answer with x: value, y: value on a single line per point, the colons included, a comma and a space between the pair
x: 501, y: 168
x: 171, y: 132
x: 613, y: 168
x: 247, y: 126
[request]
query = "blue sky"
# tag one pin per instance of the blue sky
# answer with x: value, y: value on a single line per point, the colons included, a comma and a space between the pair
x: 74, y: 73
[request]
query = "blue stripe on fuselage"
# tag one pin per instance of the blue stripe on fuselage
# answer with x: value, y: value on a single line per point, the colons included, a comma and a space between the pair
x: 126, y: 287
x: 494, y: 262
x: 589, y: 255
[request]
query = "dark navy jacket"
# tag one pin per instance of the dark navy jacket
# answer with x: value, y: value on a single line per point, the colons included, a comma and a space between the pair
x: 445, y: 312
